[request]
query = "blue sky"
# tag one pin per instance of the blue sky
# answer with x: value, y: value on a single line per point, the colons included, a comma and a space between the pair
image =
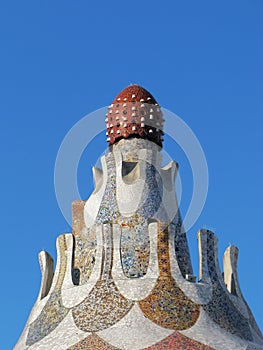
x: 63, y: 59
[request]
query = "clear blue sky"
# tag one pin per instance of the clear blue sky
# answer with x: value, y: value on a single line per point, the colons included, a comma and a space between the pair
x: 63, y: 59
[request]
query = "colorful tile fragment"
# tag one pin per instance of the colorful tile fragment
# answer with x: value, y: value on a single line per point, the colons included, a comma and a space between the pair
x: 167, y: 305
x: 104, y: 306
x: 92, y: 342
x: 54, y: 311
x: 178, y: 341
x: 221, y: 309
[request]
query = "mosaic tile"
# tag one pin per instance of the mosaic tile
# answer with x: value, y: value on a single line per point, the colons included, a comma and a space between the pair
x: 135, y: 245
x: 177, y: 341
x: 221, y: 309
x: 53, y: 312
x: 167, y: 305
x: 108, y: 211
x: 93, y: 342
x: 84, y: 245
x: 85, y: 253
x: 104, y: 306
x: 151, y: 203
x: 252, y: 321
x: 135, y: 248
x: 181, y: 247
x: 109, y: 307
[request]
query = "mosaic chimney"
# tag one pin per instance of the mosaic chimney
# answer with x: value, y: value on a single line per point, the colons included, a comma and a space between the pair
x: 123, y: 278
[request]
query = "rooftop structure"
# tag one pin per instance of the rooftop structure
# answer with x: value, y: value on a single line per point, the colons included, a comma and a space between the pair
x: 124, y: 278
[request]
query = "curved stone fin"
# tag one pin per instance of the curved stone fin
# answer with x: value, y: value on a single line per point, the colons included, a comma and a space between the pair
x: 69, y: 252
x: 135, y: 288
x: 181, y: 248
x: 61, y: 265
x: 169, y: 173
x: 224, y: 309
x: 210, y: 242
x: 93, y: 203
x: 201, y: 292
x: 233, y: 286
x: 46, y: 263
x: 203, y: 254
x: 98, y: 178
x: 230, y: 270
x: 73, y: 295
x: 53, y: 311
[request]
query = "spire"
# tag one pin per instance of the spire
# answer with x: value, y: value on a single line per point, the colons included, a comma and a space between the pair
x: 134, y: 113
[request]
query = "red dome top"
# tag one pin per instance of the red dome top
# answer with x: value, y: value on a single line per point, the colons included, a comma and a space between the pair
x: 135, y: 93
x: 134, y: 113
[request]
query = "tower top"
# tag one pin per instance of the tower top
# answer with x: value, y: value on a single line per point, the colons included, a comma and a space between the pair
x: 134, y: 112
